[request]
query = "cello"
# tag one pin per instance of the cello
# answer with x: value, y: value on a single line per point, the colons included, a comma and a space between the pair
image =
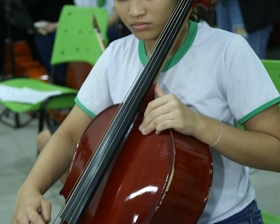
x: 120, y: 176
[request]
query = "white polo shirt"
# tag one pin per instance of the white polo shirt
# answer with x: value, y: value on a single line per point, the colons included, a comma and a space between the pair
x: 215, y: 73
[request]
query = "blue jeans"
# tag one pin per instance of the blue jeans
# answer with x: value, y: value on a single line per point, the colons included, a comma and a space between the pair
x: 229, y: 18
x: 44, y: 44
x: 250, y: 215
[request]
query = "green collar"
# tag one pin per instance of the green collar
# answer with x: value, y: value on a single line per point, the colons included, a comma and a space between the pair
x: 179, y: 54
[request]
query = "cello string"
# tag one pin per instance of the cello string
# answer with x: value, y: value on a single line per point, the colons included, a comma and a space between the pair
x: 73, y: 204
x: 77, y: 189
x: 173, y: 17
x: 159, y: 46
x: 166, y: 33
x: 166, y: 30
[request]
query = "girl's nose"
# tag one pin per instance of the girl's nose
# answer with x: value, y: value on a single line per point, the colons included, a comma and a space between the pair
x: 136, y: 8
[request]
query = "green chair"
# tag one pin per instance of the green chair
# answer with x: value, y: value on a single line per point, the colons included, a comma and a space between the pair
x: 75, y: 41
x: 75, y: 37
x: 18, y: 108
x: 270, y: 218
x: 273, y: 69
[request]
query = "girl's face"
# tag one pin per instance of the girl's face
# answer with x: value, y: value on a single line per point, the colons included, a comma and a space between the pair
x: 145, y: 18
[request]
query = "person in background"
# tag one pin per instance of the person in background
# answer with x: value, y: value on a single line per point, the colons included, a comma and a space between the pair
x: 253, y: 22
x: 48, y: 14
x: 12, y: 32
x: 2, y: 41
x: 201, y: 91
x: 46, y: 33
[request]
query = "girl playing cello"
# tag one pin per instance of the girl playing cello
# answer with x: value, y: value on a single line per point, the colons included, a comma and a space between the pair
x: 203, y: 89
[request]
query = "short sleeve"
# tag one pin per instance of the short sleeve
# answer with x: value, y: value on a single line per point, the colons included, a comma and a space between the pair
x: 248, y: 87
x: 94, y: 95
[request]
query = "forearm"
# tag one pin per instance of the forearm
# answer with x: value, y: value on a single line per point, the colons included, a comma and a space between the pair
x: 53, y: 161
x: 251, y: 148
x: 56, y: 157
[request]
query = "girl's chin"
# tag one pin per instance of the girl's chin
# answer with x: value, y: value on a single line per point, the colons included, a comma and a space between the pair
x: 145, y: 37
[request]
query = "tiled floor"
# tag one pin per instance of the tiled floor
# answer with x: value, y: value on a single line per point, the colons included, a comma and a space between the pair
x: 18, y: 153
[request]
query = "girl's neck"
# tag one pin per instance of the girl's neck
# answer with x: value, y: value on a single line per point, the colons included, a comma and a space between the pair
x: 179, y: 41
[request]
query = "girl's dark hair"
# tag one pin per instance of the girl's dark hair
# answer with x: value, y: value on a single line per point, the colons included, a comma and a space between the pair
x: 200, y: 13
x: 195, y: 17
x: 123, y: 30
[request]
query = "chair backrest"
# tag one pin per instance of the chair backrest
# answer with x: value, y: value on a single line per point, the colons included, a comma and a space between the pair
x: 77, y: 72
x: 270, y: 218
x: 273, y: 69
x: 75, y: 37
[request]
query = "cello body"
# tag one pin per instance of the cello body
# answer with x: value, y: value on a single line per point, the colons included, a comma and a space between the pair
x: 163, y: 178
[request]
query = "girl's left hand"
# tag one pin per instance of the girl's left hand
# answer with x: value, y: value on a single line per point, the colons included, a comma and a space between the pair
x: 165, y: 112
x: 49, y: 27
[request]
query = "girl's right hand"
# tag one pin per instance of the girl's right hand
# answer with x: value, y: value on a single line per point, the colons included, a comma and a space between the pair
x: 31, y: 207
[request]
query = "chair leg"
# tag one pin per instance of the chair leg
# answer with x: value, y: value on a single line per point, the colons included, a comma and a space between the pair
x: 16, y: 116
x: 17, y: 124
x: 42, y: 116
x: 5, y: 113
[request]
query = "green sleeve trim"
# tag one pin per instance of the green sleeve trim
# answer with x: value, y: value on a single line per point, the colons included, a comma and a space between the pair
x: 83, y: 108
x: 258, y: 110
